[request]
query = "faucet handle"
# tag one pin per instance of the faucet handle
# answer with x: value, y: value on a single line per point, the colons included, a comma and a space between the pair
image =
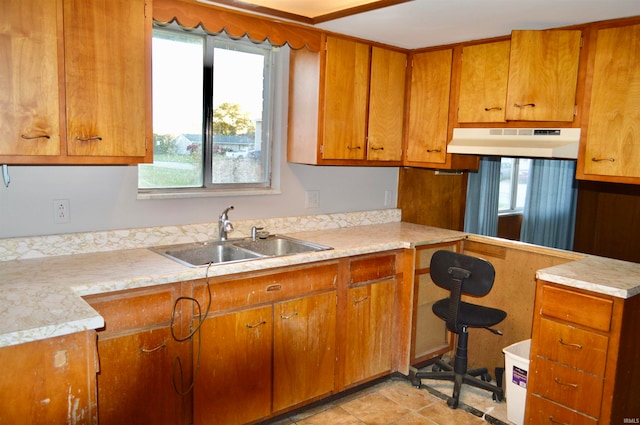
x: 254, y: 232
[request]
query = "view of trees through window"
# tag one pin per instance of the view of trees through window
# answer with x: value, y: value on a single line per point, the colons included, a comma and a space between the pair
x: 209, y: 112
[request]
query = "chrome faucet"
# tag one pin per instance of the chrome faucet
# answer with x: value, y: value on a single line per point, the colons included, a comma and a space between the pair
x: 224, y: 225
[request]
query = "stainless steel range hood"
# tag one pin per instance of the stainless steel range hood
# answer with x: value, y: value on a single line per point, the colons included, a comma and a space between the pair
x: 520, y: 142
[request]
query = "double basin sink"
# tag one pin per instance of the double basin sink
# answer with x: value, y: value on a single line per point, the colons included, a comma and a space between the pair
x: 198, y: 254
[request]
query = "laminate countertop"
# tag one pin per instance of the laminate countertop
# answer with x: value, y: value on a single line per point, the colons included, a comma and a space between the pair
x: 42, y: 297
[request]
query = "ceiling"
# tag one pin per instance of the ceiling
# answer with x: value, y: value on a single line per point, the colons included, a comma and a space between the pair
x: 422, y: 23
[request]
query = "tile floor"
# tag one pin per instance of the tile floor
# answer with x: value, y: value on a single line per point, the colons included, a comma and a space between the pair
x: 395, y: 401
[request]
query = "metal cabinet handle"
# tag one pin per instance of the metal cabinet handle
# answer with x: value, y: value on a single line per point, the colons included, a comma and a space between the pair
x: 434, y: 150
x: 260, y: 323
x: 567, y: 344
x: 373, y: 148
x: 566, y: 384
x: 29, y: 137
x: 282, y: 316
x: 594, y: 159
x: 358, y: 301
x: 555, y: 421
x: 493, y: 108
x: 354, y: 147
x: 273, y: 288
x: 151, y: 350
x: 524, y: 105
x: 88, y: 139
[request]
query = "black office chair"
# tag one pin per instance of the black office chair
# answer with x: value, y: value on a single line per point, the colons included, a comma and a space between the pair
x: 462, y: 274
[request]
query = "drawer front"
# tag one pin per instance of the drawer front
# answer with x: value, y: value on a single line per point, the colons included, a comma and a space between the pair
x: 545, y: 412
x: 371, y: 268
x: 136, y: 308
x: 570, y: 387
x: 582, y: 309
x: 575, y: 347
x: 263, y: 287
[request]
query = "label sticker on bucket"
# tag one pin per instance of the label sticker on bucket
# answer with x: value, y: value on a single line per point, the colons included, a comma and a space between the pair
x: 519, y: 377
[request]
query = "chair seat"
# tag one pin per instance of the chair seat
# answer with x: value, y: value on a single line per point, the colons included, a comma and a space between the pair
x: 471, y: 315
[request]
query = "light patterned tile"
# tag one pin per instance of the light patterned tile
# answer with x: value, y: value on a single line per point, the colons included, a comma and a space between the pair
x: 334, y: 416
x: 375, y: 409
x: 406, y: 395
x: 441, y: 414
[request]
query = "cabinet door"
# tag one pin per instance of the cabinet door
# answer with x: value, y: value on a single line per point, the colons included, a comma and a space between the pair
x: 29, y: 69
x: 135, y: 379
x: 386, y: 105
x: 369, y: 324
x: 429, y: 106
x: 233, y: 384
x: 483, y: 82
x: 107, y: 75
x: 613, y: 147
x: 543, y: 75
x: 304, y: 349
x: 346, y: 93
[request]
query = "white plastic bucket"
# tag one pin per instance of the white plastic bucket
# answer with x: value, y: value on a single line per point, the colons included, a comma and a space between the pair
x: 516, y: 362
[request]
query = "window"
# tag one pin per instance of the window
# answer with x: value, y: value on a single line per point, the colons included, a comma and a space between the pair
x: 211, y: 113
x: 514, y: 175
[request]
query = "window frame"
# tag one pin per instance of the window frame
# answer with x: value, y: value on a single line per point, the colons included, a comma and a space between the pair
x: 272, y: 68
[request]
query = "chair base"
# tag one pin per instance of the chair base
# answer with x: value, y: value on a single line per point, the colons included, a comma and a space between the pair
x: 442, y: 371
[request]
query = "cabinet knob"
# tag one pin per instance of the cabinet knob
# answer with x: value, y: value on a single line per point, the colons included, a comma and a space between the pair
x: 594, y: 159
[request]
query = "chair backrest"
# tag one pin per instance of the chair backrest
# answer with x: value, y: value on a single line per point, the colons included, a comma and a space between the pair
x: 460, y: 274
x: 476, y: 274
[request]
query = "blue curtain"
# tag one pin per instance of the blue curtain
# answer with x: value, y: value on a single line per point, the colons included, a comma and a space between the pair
x: 550, y: 206
x: 483, y: 191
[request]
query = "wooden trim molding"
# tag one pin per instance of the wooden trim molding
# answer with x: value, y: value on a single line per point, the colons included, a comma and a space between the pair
x: 190, y: 14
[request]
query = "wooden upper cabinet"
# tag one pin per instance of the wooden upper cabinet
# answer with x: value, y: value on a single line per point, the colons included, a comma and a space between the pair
x: 346, y: 90
x: 612, y: 148
x: 29, y: 69
x: 346, y: 104
x: 543, y: 75
x: 106, y: 77
x: 483, y: 82
x: 76, y: 85
x: 429, y: 106
x: 386, y: 105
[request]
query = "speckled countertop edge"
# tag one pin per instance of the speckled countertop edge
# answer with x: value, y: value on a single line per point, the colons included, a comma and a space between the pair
x: 41, y: 297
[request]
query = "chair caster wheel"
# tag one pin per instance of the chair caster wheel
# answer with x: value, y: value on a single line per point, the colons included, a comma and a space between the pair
x: 497, y: 398
x: 436, y: 368
x: 486, y: 377
x: 452, y: 403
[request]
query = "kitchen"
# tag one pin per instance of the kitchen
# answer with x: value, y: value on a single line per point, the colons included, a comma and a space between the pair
x: 104, y: 198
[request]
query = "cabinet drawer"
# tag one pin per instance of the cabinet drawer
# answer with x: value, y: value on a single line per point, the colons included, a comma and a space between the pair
x: 135, y: 308
x: 581, y: 309
x: 570, y: 387
x: 575, y: 347
x: 266, y: 287
x: 370, y: 268
x: 545, y: 412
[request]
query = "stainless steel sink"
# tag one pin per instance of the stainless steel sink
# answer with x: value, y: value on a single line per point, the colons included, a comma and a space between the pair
x: 278, y: 246
x: 199, y: 254
x: 202, y: 253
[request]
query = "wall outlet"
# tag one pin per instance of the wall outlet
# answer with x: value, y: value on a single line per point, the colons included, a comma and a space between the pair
x: 389, y: 198
x: 312, y: 199
x: 61, y: 211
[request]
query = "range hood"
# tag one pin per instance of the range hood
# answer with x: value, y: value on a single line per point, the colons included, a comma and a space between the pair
x: 521, y: 142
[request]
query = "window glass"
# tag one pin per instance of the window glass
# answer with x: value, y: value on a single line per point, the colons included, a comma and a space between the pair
x: 210, y: 113
x: 514, y: 175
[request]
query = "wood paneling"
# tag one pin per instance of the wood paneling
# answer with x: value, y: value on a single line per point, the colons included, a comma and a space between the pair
x: 432, y: 200
x: 608, y: 220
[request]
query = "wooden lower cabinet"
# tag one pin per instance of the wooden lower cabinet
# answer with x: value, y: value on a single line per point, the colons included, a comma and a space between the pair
x: 137, y: 353
x: 369, y: 331
x: 232, y: 366
x: 584, y: 358
x: 304, y: 349
x: 50, y: 381
x: 135, y: 380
